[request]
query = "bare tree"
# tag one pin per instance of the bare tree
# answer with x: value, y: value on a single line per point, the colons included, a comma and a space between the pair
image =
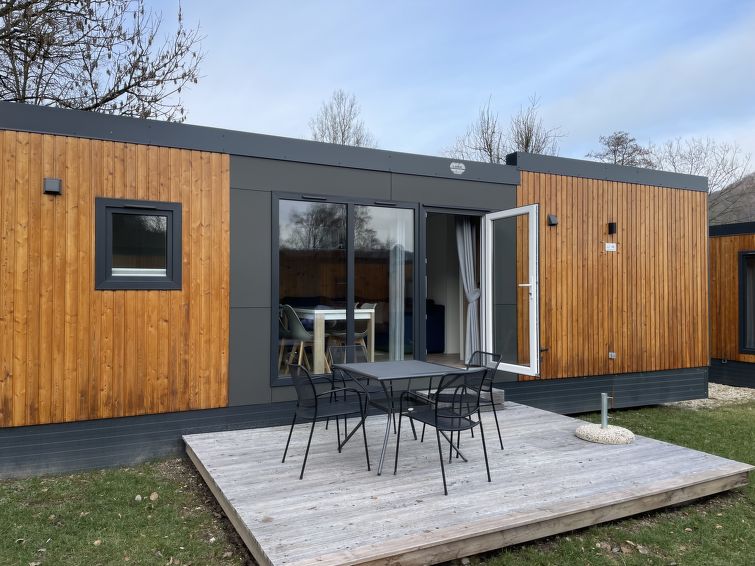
x: 528, y: 133
x: 101, y: 55
x: 487, y: 140
x: 622, y: 149
x: 484, y: 139
x: 338, y: 121
x: 723, y: 163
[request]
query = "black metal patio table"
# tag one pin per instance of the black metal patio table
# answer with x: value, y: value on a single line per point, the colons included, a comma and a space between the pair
x: 386, y: 373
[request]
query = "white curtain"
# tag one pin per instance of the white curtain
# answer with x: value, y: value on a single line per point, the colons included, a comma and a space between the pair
x: 396, y: 291
x: 465, y: 245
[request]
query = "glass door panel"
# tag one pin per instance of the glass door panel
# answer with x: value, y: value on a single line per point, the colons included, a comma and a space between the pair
x: 312, y: 281
x: 510, y: 289
x: 384, y: 281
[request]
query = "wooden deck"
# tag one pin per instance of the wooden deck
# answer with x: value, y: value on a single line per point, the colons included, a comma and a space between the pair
x: 546, y: 482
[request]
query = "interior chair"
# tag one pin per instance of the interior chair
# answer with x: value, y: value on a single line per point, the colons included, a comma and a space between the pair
x: 298, y: 336
x: 361, y: 329
x: 451, y: 410
x: 331, y: 402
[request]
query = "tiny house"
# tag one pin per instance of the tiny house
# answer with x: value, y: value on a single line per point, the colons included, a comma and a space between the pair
x: 159, y: 278
x: 732, y: 303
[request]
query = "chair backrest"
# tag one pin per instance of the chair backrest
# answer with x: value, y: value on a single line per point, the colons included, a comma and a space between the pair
x: 305, y: 387
x: 489, y: 361
x: 296, y: 329
x: 355, y: 353
x: 463, y: 391
x: 361, y: 326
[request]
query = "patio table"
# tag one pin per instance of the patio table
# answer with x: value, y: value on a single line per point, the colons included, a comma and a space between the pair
x: 386, y: 373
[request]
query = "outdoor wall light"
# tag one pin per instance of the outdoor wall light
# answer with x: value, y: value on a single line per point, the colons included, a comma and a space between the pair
x: 612, y: 227
x: 552, y: 220
x: 52, y: 186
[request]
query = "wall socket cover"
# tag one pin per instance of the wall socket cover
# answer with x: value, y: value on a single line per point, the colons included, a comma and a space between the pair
x: 611, y: 246
x: 611, y: 355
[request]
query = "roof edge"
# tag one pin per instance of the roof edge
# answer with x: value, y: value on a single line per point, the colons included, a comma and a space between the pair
x: 605, y: 171
x: 732, y: 229
x: 95, y: 125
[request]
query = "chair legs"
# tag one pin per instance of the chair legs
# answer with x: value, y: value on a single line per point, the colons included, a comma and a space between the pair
x: 442, y: 468
x: 484, y: 448
x: 306, y: 453
x: 495, y: 416
x: 290, y: 432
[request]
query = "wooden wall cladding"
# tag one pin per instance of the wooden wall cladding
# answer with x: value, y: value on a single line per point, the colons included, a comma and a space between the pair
x: 647, y: 302
x: 69, y: 352
x: 724, y: 296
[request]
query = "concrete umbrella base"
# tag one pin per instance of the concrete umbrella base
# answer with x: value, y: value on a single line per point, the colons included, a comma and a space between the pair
x: 610, y: 435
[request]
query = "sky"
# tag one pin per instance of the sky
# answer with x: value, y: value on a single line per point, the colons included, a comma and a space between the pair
x: 421, y: 70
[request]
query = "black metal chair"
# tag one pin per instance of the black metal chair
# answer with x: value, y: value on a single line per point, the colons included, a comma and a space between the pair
x: 313, y: 405
x: 489, y: 361
x: 483, y: 360
x: 451, y: 410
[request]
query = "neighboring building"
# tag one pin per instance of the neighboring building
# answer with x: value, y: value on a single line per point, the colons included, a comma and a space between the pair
x: 732, y: 283
x: 158, y: 278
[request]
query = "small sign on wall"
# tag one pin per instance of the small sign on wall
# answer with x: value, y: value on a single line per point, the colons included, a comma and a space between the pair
x: 611, y: 246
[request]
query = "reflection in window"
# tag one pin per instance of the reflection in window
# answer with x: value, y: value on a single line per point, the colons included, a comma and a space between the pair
x: 312, y: 281
x: 384, y: 280
x: 140, y: 245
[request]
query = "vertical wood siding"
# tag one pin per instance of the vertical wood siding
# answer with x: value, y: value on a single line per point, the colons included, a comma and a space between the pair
x: 648, y: 302
x: 724, y: 295
x: 69, y: 352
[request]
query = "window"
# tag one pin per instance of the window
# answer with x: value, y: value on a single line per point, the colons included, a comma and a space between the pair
x: 138, y: 244
x: 747, y: 302
x: 345, y: 276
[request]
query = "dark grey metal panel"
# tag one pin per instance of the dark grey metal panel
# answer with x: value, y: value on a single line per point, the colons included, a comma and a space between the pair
x: 93, y: 125
x: 579, y: 395
x: 304, y: 178
x: 250, y: 248
x: 607, y: 171
x: 732, y: 229
x: 739, y: 374
x: 454, y: 192
x: 69, y: 447
x: 249, y: 360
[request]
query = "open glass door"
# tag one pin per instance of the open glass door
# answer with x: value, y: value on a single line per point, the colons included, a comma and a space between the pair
x: 510, y: 320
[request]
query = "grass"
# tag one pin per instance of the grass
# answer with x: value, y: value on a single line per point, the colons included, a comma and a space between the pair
x: 93, y: 518
x: 715, y: 531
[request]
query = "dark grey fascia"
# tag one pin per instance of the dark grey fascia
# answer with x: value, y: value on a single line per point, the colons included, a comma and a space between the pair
x: 732, y: 229
x: 605, y: 171
x: 93, y: 125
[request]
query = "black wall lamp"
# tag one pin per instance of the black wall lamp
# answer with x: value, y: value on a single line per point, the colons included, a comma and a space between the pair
x: 52, y: 186
x: 612, y: 228
x: 552, y: 220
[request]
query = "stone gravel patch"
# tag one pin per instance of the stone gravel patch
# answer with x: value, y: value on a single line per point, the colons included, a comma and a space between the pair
x: 719, y: 396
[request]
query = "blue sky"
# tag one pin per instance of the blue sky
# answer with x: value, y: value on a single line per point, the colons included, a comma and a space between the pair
x: 421, y: 70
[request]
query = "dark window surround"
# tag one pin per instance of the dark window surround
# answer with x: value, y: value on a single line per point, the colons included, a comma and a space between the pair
x: 742, y: 293
x: 104, y: 209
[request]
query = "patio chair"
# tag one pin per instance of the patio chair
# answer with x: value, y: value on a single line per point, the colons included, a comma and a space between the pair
x: 296, y: 335
x: 313, y: 405
x: 483, y: 360
x: 452, y: 409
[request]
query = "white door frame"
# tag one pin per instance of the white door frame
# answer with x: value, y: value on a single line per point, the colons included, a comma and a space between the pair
x: 486, y: 263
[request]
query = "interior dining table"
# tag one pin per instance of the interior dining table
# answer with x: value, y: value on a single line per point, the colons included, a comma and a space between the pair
x: 318, y: 316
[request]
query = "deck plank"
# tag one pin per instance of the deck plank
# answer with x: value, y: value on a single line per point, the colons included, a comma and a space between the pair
x: 546, y: 481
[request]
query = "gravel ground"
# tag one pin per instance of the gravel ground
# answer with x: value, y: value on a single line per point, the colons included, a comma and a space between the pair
x: 719, y: 396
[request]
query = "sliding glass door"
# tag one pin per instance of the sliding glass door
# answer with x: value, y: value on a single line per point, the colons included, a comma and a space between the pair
x: 384, y: 280
x: 345, y: 277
